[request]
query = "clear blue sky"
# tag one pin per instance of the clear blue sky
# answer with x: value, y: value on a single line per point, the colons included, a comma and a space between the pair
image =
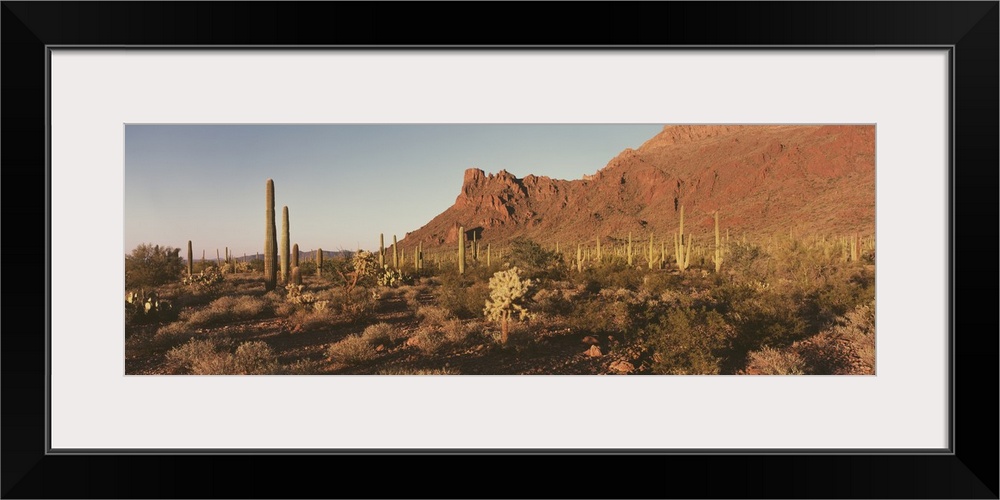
x: 343, y: 184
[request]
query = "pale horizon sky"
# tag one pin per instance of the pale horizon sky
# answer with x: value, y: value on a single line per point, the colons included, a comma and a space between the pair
x: 343, y: 184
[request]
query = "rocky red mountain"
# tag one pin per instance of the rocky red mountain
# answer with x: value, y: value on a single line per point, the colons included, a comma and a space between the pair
x: 762, y: 179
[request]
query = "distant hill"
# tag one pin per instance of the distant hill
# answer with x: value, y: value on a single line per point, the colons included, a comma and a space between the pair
x: 762, y: 179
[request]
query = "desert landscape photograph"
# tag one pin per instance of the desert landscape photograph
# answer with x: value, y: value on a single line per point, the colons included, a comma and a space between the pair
x: 499, y: 249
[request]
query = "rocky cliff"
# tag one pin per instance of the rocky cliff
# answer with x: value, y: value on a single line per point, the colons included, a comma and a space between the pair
x: 762, y: 179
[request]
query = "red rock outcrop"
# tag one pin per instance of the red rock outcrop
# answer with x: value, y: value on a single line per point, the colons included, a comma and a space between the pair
x: 764, y: 179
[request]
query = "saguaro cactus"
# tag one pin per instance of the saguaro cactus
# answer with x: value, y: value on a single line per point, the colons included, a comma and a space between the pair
x: 270, y: 241
x: 319, y: 262
x: 285, y: 250
x: 461, y: 250
x: 628, y: 251
x: 395, y: 253
x: 579, y: 259
x: 649, y: 256
x: 295, y: 256
x: 381, y: 250
x: 682, y: 245
x: 190, y: 259
x: 717, y: 259
x: 296, y: 275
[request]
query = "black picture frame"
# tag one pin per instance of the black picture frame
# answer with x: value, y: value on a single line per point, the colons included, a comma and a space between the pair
x: 970, y: 29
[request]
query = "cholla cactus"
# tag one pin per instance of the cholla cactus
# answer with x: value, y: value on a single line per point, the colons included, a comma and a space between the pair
x: 508, y: 294
x: 365, y: 264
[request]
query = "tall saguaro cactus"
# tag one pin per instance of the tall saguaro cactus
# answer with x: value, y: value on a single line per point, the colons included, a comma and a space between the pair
x: 682, y: 246
x: 629, y: 249
x: 270, y: 241
x: 285, y: 250
x: 461, y: 250
x: 395, y: 253
x: 381, y: 250
x: 190, y: 259
x: 717, y: 259
x: 650, y: 258
x: 295, y: 256
x: 319, y: 262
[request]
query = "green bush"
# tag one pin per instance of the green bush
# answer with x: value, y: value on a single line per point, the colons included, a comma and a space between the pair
x: 463, y: 296
x: 689, y: 341
x: 536, y: 262
x: 152, y: 265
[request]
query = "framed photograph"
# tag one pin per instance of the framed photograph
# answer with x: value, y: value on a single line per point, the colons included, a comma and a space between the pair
x: 157, y: 138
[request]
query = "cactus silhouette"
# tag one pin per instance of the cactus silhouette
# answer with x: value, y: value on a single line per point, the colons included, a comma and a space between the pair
x: 270, y: 241
x: 285, y: 250
x: 682, y: 246
x: 717, y: 259
x: 461, y: 250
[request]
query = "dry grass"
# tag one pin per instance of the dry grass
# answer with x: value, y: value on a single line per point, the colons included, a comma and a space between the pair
x: 419, y: 371
x: 351, y: 350
x: 769, y: 361
x: 382, y: 333
x: 226, y: 310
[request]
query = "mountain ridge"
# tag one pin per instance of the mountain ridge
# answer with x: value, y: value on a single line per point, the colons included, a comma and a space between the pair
x: 763, y: 179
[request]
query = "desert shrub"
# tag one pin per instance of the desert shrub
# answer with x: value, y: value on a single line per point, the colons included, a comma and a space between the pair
x: 611, y: 275
x: 837, y: 295
x: 462, y: 296
x: 307, y: 320
x: 172, y: 334
x: 763, y: 315
x: 553, y: 302
x: 688, y: 341
x: 432, y: 340
x: 770, y: 361
x: 846, y: 348
x: 419, y: 371
x: 382, y: 333
x: 455, y: 332
x: 255, y: 358
x: 200, y: 357
x: 433, y: 315
x: 226, y: 310
x: 350, y: 350
x: 307, y: 267
x: 206, y: 357
x: 747, y: 260
x: 302, y: 367
x: 152, y: 265
x: 411, y: 295
x: 536, y: 262
x: 659, y: 283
